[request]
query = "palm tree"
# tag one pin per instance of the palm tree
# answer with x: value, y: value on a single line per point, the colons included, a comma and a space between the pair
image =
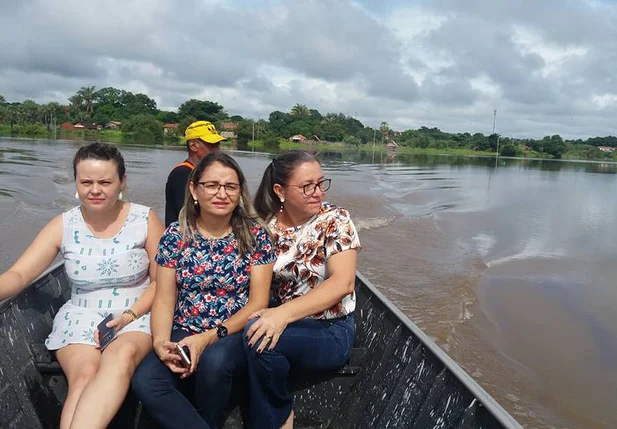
x: 385, y: 130
x: 4, y: 110
x: 87, y: 94
x: 300, y: 111
x: 30, y: 111
x: 330, y: 118
x: 76, y: 106
x: 50, y: 112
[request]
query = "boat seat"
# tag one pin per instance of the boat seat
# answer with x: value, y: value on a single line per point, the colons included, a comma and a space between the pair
x: 349, y: 370
x: 54, y: 368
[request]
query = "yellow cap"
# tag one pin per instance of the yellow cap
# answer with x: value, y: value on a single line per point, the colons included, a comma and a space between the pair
x: 203, y: 130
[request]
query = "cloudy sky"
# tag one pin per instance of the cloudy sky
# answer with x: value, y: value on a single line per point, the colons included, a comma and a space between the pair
x: 547, y: 66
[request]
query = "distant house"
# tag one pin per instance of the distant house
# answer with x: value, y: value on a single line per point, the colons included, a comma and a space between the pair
x: 228, y: 134
x: 67, y: 126
x: 607, y: 148
x: 86, y: 126
x: 229, y: 126
x: 113, y: 125
x: 169, y: 127
x: 297, y: 138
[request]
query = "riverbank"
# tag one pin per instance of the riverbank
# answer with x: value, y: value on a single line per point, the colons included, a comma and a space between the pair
x: 117, y: 136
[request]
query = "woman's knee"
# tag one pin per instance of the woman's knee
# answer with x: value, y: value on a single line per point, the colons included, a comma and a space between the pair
x: 223, y: 356
x: 146, y: 374
x: 123, y: 359
x: 249, y: 350
x: 79, y: 377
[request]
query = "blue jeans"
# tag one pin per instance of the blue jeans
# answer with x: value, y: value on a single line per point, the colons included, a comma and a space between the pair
x: 305, y: 345
x: 160, y: 390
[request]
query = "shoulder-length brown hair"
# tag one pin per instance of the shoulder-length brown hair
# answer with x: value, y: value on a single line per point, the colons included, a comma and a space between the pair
x: 244, y: 216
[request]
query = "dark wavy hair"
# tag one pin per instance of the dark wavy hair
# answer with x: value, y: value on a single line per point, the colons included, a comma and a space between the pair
x: 100, y: 151
x: 267, y: 203
x: 243, y: 218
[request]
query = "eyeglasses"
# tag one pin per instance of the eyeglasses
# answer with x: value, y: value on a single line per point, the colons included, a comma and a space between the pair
x: 213, y: 188
x: 310, y: 188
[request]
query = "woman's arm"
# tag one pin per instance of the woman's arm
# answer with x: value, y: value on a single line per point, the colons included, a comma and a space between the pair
x: 164, y: 305
x: 144, y: 303
x: 155, y: 230
x: 37, y: 257
x: 341, y: 282
x: 162, y: 318
x: 259, y: 294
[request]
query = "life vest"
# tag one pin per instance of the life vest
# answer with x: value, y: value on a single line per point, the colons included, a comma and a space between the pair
x: 185, y: 164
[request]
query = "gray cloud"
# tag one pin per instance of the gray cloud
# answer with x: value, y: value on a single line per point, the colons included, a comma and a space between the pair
x: 539, y: 63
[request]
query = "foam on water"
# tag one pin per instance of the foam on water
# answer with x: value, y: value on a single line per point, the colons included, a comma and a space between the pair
x: 373, y: 223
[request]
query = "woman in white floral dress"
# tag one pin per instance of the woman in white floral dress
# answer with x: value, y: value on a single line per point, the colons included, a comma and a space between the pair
x: 107, y: 246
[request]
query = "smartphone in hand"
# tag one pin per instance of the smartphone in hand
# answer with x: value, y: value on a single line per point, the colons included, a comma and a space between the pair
x: 185, y: 355
x: 106, y: 335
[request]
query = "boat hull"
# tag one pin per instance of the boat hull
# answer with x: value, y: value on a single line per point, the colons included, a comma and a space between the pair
x: 397, y: 377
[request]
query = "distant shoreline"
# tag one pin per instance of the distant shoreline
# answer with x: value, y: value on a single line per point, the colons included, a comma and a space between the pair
x: 284, y: 145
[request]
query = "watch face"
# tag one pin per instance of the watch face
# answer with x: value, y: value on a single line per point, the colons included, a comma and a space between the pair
x: 221, y: 331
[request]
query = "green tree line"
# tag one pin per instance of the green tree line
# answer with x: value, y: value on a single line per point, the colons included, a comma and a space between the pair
x: 143, y: 121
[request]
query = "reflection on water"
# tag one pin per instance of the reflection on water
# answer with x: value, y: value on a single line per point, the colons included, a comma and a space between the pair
x: 508, y: 265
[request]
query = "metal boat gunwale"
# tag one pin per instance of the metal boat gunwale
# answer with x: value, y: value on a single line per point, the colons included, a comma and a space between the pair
x: 474, y: 388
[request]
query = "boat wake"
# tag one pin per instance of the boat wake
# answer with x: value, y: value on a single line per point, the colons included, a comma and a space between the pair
x: 522, y: 256
x: 373, y: 223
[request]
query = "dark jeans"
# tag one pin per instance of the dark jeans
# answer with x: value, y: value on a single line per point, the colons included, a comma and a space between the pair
x: 160, y: 390
x: 305, y: 345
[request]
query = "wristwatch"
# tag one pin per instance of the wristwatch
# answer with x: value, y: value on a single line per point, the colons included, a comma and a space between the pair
x: 221, y: 331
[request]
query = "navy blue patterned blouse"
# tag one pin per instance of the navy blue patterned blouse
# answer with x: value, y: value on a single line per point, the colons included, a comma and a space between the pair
x: 213, y: 282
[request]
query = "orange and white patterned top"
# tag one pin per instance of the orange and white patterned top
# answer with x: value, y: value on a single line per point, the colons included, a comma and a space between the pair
x: 303, y: 253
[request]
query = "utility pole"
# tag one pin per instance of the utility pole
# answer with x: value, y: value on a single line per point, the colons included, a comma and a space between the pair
x: 494, y: 119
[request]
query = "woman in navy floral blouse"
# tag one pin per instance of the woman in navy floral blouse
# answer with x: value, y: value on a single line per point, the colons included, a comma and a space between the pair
x: 215, y: 269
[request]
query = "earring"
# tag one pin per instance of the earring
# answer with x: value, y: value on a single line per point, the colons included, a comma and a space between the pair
x: 195, y: 203
x: 120, y: 195
x: 76, y: 195
x: 282, y: 202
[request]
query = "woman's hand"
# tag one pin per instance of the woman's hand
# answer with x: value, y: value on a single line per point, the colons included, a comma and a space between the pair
x: 270, y: 325
x: 168, y: 354
x: 197, y: 344
x: 117, y: 323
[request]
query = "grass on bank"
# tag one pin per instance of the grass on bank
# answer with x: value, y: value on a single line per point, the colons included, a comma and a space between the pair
x: 287, y: 145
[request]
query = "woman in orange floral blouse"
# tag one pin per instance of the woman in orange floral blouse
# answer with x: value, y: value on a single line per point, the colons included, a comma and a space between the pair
x: 311, y: 327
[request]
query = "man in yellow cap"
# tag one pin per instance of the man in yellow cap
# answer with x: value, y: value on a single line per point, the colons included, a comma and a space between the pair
x: 201, y: 139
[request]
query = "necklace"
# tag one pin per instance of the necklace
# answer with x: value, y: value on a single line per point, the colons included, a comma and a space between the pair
x: 208, y: 235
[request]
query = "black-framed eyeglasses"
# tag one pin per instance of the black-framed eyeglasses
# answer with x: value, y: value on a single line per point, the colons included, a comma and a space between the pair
x: 213, y: 188
x: 310, y: 188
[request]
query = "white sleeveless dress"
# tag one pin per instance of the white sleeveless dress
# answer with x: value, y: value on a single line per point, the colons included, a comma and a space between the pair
x: 107, y: 275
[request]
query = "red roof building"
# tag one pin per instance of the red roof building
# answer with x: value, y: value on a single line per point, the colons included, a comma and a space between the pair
x: 67, y: 126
